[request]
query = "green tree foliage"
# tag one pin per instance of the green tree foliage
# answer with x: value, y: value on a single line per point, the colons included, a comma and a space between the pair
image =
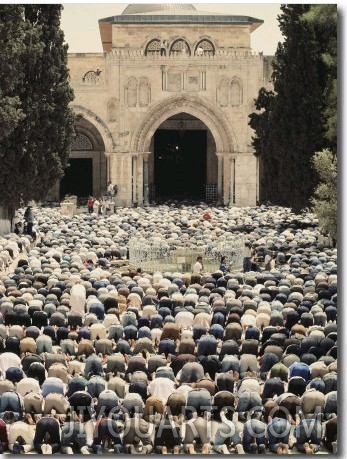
x: 12, y: 32
x: 323, y: 18
x: 293, y: 123
x: 260, y: 121
x: 35, y: 153
x: 324, y: 201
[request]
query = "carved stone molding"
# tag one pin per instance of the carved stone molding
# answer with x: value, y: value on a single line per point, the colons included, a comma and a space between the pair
x: 202, y: 109
x: 102, y: 127
x: 92, y: 78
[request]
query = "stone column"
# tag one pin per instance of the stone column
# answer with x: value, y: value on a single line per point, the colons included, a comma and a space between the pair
x: 258, y: 181
x: 220, y: 178
x: 232, y: 180
x: 140, y: 186
x: 134, y: 179
x: 145, y: 179
x: 111, y: 166
x: 128, y: 164
x: 108, y: 166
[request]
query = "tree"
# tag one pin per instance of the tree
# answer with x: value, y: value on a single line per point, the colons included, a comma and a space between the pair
x: 323, y: 18
x: 12, y: 32
x: 324, y: 21
x: 36, y: 152
x: 293, y: 127
x: 260, y: 121
x: 324, y: 201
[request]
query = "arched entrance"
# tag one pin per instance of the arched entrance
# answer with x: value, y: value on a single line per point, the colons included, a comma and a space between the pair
x: 179, y: 169
x: 87, y: 171
x: 78, y: 178
x: 211, y: 169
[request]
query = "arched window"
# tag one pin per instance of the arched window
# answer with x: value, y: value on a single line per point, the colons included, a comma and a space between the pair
x: 180, y: 48
x: 131, y: 97
x: 92, y: 77
x: 112, y: 109
x: 153, y: 47
x: 235, y: 92
x: 205, y: 48
x: 223, y: 92
x: 144, y: 92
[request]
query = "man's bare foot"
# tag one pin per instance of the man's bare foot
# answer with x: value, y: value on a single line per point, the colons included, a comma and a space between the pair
x: 279, y: 448
x: 239, y: 449
x: 206, y: 448
x: 191, y: 449
x: 285, y: 449
x: 164, y: 450
x: 29, y: 419
x: 308, y: 449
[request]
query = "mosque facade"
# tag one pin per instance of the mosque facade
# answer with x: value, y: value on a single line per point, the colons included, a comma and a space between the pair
x: 163, y: 112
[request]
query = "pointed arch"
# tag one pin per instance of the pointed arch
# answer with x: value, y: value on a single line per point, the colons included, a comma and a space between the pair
x: 131, y: 92
x: 152, y: 47
x: 223, y: 92
x: 207, y: 47
x: 214, y: 119
x: 180, y: 46
x: 112, y: 109
x: 235, y: 91
x: 98, y: 123
x: 144, y: 92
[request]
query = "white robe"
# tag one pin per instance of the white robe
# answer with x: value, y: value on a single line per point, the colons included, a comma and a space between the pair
x: 78, y: 296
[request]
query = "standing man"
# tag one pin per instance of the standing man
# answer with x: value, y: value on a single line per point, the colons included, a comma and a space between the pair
x: 247, y: 257
x: 163, y: 48
x: 18, y: 228
x: 29, y: 220
x: 90, y: 204
x: 110, y: 189
x: 199, y: 51
x: 198, y: 266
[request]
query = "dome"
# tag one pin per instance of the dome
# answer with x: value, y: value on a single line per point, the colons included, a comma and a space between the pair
x: 145, y: 8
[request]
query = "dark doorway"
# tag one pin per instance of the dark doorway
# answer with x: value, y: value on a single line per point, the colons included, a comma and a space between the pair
x: 180, y: 163
x: 78, y: 178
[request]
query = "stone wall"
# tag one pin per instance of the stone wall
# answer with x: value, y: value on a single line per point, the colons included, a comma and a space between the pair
x: 123, y: 87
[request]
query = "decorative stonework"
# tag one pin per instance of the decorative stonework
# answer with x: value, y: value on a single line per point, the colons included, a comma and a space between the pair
x: 200, y: 108
x: 229, y: 92
x: 223, y: 92
x: 81, y: 142
x: 144, y: 92
x: 112, y: 105
x: 153, y: 47
x: 92, y: 78
x: 131, y: 92
x: 102, y: 127
x: 138, y: 92
x: 225, y: 54
x: 177, y: 79
x: 235, y: 92
x: 207, y: 48
x: 180, y: 48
